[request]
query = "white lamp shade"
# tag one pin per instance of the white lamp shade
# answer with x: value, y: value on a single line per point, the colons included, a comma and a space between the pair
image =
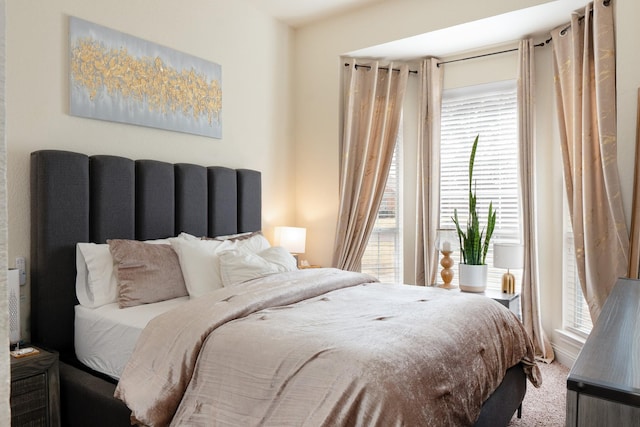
x: 292, y: 239
x: 508, y: 255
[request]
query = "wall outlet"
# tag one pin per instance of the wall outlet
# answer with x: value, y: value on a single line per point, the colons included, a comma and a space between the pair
x: 21, y: 265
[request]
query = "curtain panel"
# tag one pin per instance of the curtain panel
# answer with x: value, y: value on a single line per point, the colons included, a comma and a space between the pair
x: 5, y: 363
x: 634, y: 242
x: 428, y: 176
x: 530, y: 292
x: 372, y: 108
x: 584, y: 67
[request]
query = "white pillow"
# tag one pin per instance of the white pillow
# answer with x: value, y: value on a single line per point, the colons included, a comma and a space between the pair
x: 96, y: 282
x: 199, y: 263
x: 96, y: 285
x: 240, y: 265
x: 254, y: 244
x: 187, y: 236
x: 253, y: 241
x: 281, y: 257
x: 236, y: 236
x: 237, y: 266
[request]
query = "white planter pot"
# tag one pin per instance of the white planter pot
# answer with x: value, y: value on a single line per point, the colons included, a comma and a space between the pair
x: 472, y: 278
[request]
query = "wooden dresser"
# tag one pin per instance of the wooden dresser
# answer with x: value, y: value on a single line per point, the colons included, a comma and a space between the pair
x: 603, y: 388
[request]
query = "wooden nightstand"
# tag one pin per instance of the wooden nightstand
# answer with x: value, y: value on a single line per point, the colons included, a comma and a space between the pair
x: 35, y: 390
x: 511, y: 301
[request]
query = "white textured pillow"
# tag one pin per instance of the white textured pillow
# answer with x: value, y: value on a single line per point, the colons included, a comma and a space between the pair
x: 199, y: 263
x: 237, y: 236
x: 186, y: 236
x: 253, y: 242
x: 240, y: 265
x: 96, y: 281
x: 96, y: 285
x: 281, y: 257
x: 237, y: 266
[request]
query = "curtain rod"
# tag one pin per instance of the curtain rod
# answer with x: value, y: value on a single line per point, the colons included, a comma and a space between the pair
x: 541, y: 44
x: 368, y: 67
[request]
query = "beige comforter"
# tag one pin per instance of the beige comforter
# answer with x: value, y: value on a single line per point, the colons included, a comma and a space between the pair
x: 323, y: 347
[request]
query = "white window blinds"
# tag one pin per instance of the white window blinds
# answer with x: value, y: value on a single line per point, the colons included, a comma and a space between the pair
x: 383, y: 256
x: 490, y: 111
x: 576, y: 317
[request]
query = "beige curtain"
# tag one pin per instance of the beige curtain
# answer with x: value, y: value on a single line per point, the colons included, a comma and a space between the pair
x: 584, y: 62
x: 526, y: 138
x: 5, y: 410
x: 634, y: 243
x: 373, y: 96
x: 428, y: 185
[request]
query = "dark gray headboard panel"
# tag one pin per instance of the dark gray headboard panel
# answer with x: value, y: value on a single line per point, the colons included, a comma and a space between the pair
x: 155, y: 199
x: 59, y: 219
x: 191, y: 199
x: 77, y: 198
x: 112, y: 192
x: 249, y: 199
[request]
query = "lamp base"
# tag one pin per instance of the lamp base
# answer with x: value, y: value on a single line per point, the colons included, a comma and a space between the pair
x: 447, y: 272
x: 508, y: 283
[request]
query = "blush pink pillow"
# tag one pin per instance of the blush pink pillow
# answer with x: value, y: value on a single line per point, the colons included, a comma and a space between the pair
x: 146, y: 273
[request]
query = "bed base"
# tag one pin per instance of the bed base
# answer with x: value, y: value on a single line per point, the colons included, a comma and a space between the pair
x: 85, y: 397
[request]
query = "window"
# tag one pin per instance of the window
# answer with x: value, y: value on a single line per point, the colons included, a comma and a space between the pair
x: 576, y: 316
x: 383, y: 255
x: 488, y: 110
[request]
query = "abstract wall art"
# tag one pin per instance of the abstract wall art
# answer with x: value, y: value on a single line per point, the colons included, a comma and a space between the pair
x: 121, y: 78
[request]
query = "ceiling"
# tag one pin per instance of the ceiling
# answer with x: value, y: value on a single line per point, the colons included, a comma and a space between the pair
x: 483, y: 33
x: 532, y: 21
x: 297, y: 13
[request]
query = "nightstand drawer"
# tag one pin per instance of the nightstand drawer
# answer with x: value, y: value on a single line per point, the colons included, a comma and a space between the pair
x: 28, y: 385
x: 33, y: 418
x: 29, y: 400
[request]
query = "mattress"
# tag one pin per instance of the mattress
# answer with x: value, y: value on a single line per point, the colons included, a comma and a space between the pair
x: 106, y: 336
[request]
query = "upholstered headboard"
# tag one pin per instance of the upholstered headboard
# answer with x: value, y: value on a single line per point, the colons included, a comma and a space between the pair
x: 79, y: 198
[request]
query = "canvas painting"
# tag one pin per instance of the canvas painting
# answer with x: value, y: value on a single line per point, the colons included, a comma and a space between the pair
x: 118, y: 77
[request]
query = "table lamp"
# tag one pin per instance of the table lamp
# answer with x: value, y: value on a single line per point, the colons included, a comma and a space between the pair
x: 292, y: 239
x: 446, y: 243
x: 508, y: 255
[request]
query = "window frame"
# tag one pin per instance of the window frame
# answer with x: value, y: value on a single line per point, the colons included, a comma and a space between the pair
x: 395, y: 233
x: 482, y: 94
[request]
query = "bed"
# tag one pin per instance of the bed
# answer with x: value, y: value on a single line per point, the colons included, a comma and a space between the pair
x: 77, y: 198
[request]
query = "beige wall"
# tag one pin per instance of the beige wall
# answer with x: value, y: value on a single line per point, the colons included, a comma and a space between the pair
x: 255, y: 54
x: 317, y: 75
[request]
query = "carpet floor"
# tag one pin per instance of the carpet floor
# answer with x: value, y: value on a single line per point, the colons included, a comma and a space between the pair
x: 545, y: 406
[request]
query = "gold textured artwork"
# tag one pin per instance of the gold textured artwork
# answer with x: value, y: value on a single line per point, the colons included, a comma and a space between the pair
x: 117, y: 77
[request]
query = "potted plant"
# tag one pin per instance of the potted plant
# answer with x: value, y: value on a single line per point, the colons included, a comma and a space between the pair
x: 474, y: 242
